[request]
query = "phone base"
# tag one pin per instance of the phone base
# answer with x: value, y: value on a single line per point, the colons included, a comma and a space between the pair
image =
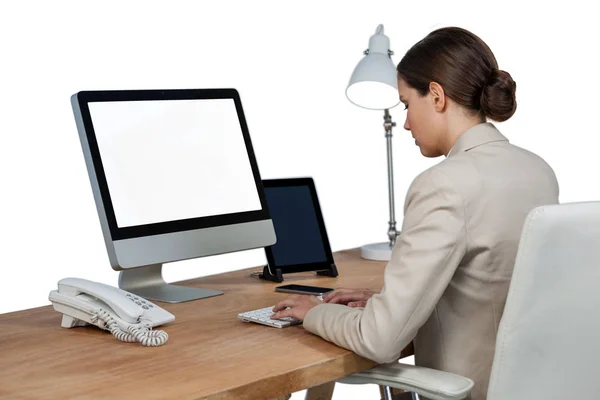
x: 148, y: 283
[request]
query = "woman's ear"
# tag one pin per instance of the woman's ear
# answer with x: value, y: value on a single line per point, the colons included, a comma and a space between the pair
x: 438, y: 96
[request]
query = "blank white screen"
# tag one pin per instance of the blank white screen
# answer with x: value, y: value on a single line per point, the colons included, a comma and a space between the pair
x: 173, y: 159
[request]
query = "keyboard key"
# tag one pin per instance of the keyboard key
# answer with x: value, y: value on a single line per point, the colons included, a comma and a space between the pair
x: 263, y: 316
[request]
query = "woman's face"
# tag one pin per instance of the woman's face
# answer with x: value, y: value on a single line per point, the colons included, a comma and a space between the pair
x: 422, y: 120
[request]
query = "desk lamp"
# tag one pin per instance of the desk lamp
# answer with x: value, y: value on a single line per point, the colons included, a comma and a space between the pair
x: 374, y: 86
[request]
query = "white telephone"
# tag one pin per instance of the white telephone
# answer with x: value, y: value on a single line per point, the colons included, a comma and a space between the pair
x: 127, y: 316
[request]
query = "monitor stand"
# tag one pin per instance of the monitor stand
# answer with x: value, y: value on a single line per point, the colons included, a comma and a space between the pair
x: 148, y: 283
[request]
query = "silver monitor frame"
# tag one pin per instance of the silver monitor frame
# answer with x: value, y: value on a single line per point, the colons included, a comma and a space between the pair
x: 139, y: 252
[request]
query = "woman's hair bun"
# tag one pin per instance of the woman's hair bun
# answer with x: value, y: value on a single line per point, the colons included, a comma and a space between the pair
x: 498, y: 97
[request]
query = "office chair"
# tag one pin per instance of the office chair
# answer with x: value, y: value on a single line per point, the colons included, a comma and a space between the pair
x: 547, y: 345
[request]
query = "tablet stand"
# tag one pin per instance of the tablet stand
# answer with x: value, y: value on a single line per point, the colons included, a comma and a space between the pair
x: 278, y: 275
x: 267, y: 275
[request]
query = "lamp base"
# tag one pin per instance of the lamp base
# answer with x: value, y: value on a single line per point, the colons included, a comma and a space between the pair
x: 376, y: 251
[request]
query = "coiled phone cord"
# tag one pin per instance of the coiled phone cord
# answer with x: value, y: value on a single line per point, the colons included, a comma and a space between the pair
x: 142, y: 332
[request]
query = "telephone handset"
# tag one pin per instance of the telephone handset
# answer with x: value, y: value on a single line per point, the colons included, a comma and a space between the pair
x: 127, y: 316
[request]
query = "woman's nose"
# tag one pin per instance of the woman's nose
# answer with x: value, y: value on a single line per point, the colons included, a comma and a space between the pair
x: 406, y: 125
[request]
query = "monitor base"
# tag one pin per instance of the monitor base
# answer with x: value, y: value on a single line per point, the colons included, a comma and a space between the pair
x: 148, y: 283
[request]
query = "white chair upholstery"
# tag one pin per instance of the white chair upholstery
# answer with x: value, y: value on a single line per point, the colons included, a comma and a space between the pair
x: 433, y: 384
x: 547, y: 345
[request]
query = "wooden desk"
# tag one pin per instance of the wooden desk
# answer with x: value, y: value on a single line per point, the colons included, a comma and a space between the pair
x: 211, y: 354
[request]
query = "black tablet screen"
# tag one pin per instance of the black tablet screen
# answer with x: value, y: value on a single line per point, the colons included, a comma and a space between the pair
x: 294, y: 217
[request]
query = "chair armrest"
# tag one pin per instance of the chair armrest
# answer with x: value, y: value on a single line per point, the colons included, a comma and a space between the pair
x: 431, y: 383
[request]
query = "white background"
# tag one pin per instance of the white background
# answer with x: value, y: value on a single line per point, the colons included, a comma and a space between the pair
x: 291, y: 63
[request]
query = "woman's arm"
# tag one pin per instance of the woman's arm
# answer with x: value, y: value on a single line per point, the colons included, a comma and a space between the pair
x: 431, y: 245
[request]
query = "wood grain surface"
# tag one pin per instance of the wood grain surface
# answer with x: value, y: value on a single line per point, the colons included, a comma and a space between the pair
x: 211, y: 354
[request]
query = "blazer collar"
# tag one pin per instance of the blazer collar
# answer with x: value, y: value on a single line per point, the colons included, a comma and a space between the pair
x: 476, y: 136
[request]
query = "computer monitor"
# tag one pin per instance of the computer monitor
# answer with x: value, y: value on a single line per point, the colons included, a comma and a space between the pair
x: 174, y: 177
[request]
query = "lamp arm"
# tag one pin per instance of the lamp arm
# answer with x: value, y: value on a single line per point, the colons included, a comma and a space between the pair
x: 388, y: 125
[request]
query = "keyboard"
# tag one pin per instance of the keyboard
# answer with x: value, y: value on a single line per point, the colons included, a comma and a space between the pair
x: 263, y: 316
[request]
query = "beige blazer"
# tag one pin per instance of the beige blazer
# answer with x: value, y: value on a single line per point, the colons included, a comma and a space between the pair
x: 447, y: 281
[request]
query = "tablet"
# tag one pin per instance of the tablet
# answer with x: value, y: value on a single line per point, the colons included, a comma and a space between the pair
x: 302, y: 243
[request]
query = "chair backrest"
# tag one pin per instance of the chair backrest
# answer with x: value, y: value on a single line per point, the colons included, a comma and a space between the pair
x: 548, y: 344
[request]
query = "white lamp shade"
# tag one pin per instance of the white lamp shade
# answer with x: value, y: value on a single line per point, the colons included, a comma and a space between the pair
x: 373, y: 83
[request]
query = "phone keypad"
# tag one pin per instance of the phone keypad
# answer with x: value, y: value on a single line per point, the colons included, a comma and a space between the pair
x: 139, y: 301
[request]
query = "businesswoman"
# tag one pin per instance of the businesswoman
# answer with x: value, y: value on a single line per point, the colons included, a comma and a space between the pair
x: 447, y: 281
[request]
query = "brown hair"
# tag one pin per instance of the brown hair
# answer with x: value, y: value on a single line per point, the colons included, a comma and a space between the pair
x: 465, y: 67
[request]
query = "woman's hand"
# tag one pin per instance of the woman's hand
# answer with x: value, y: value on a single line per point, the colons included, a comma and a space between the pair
x: 295, y: 306
x: 349, y: 297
